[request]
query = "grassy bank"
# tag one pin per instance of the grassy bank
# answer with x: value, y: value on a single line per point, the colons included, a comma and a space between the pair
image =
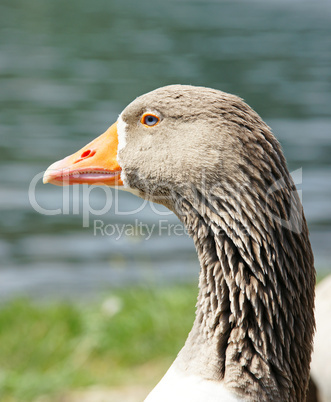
x: 129, y: 337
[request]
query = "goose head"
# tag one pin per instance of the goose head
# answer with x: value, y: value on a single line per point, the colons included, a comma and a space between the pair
x: 208, y: 157
x: 171, y: 141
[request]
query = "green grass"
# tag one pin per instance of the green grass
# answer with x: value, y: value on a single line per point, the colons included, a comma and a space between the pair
x: 131, y: 336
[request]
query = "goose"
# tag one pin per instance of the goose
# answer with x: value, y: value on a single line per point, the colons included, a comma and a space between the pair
x: 209, y: 158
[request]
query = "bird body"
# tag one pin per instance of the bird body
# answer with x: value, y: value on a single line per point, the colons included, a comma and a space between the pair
x: 209, y: 158
x: 320, y: 365
x: 177, y: 386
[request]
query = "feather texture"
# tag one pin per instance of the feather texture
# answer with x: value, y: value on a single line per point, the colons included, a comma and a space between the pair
x: 215, y: 163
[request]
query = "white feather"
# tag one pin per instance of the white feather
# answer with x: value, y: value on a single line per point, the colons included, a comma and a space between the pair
x: 176, y: 386
x: 122, y: 134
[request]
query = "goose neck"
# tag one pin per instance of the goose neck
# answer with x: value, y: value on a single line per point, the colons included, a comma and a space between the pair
x: 254, y: 307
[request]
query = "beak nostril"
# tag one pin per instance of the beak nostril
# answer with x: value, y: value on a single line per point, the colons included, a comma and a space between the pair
x: 85, y: 153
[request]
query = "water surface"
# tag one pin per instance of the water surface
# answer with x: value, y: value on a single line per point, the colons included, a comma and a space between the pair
x: 67, y: 69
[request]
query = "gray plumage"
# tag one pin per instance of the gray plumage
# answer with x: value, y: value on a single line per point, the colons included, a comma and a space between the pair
x: 217, y: 166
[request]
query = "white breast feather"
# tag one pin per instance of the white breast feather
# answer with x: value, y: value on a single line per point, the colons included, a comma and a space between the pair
x: 175, y: 386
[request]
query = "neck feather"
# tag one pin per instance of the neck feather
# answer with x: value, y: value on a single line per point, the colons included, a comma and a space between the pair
x: 254, y: 319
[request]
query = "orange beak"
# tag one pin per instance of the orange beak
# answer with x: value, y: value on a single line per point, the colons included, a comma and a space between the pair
x: 96, y: 163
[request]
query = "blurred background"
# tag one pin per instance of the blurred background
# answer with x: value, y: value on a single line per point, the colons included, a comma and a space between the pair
x: 67, y: 69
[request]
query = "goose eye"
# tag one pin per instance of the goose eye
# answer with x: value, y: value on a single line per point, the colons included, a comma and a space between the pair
x: 149, y: 120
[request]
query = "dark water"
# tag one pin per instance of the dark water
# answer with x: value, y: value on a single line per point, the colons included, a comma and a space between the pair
x: 67, y: 69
